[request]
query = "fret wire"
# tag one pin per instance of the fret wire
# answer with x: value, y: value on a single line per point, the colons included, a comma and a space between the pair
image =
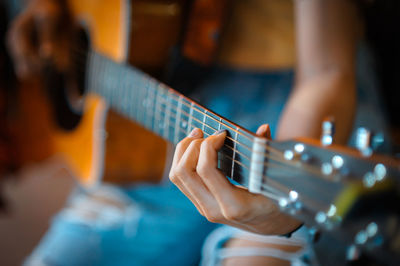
x: 219, y: 125
x: 139, y: 98
x: 190, y: 118
x: 238, y: 162
x: 126, y: 95
x: 225, y: 145
x: 157, y: 114
x: 233, y: 140
x: 140, y: 87
x: 271, y: 164
x: 268, y: 148
x: 178, y: 119
x: 204, y: 119
x: 249, y: 138
x: 110, y: 85
x: 92, y: 68
x: 118, y: 87
x: 192, y: 109
x: 240, y: 153
x: 228, y: 137
x: 101, y: 70
x: 200, y: 122
x: 150, y: 98
x: 193, y: 106
x: 287, y: 163
x: 143, y: 100
x: 234, y: 152
x: 167, y: 114
x: 133, y: 96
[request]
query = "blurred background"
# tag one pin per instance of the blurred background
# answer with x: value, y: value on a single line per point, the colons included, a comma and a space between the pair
x: 170, y: 39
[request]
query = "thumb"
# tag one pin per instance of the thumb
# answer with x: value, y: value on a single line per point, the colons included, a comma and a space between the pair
x: 264, y: 131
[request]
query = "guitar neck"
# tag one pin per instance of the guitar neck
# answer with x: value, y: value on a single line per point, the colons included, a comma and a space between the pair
x: 319, y: 185
x: 168, y: 113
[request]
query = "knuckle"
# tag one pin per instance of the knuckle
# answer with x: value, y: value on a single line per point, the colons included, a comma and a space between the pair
x: 202, y: 169
x: 173, y: 177
x: 179, y: 171
x: 206, y: 143
x: 180, y: 145
x: 213, y: 216
x: 234, y: 213
x: 195, y: 144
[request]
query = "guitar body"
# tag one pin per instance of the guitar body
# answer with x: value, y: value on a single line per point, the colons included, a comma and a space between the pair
x: 103, y: 145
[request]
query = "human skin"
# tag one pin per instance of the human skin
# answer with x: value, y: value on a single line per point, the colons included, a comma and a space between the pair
x: 326, y: 36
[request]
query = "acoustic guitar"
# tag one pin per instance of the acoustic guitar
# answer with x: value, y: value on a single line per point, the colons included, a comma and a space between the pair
x: 349, y: 193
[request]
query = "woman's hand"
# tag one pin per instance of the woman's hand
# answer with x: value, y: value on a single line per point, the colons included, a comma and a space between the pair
x: 194, y: 171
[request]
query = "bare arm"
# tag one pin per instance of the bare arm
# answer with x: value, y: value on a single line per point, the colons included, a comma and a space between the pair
x: 325, y: 85
x: 327, y: 33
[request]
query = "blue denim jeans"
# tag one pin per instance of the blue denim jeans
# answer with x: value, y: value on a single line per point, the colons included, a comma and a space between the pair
x: 143, y: 225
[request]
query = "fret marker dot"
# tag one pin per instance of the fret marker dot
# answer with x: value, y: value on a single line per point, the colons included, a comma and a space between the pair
x: 184, y: 124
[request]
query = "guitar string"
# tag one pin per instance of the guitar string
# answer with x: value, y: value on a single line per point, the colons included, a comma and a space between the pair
x: 263, y: 186
x: 266, y: 177
x: 270, y: 156
x: 268, y: 148
x: 267, y: 155
x: 198, y: 110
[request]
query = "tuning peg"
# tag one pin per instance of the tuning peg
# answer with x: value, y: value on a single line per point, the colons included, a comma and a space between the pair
x: 364, y: 141
x: 328, y: 131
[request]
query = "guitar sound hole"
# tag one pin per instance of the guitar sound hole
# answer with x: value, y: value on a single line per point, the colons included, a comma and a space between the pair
x: 65, y: 90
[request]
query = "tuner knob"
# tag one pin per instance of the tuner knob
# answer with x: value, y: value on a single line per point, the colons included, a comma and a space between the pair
x: 328, y: 131
x: 363, y: 141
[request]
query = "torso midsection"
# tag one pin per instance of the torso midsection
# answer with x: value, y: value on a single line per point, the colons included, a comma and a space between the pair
x: 259, y: 35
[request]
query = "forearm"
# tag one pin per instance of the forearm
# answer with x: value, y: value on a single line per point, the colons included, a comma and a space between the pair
x: 327, y: 33
x: 330, y: 94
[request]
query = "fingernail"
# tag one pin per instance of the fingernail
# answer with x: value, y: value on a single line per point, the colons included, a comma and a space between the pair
x: 195, y: 132
x: 219, y: 131
x: 262, y: 129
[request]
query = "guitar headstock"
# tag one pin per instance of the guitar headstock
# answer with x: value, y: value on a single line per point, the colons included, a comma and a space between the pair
x: 348, y: 192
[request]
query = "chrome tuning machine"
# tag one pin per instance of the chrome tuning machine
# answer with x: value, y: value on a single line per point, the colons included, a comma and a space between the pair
x: 328, y: 131
x: 366, y: 142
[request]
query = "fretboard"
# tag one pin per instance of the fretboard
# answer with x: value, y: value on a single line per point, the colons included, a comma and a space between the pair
x: 256, y: 163
x: 168, y: 113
